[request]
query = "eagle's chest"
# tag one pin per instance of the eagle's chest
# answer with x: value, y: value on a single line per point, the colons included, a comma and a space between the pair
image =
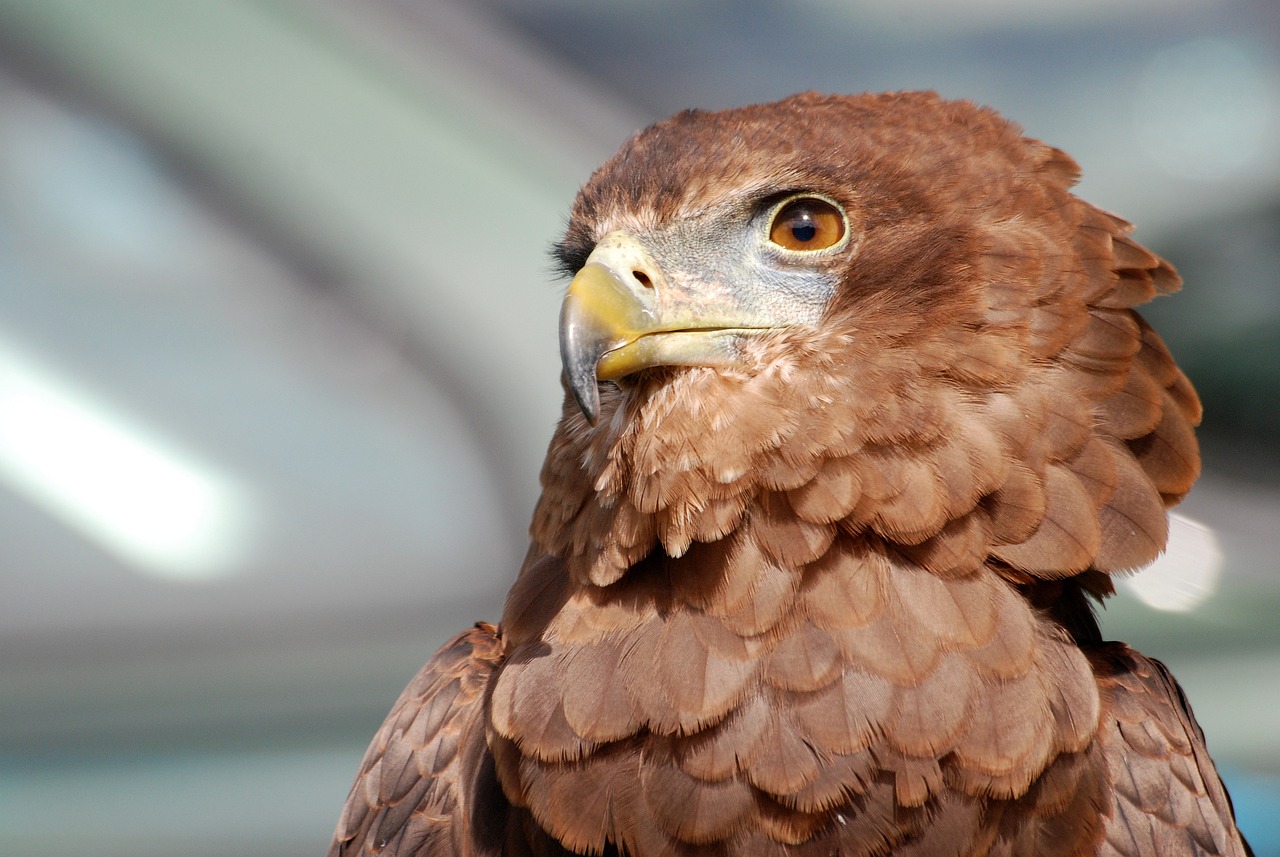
x: 845, y: 699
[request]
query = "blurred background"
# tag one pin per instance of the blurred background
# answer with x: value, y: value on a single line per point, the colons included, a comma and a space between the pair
x: 278, y: 360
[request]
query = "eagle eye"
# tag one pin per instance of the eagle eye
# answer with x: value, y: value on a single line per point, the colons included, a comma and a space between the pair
x: 807, y: 223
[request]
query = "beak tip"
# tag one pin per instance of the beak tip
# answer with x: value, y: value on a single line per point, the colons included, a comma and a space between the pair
x: 588, y: 401
x: 579, y: 354
x: 580, y: 377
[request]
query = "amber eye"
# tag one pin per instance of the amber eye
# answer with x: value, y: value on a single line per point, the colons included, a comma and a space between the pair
x: 807, y: 223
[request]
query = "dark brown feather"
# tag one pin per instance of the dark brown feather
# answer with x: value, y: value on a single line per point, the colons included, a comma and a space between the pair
x: 426, y: 783
x: 1168, y: 799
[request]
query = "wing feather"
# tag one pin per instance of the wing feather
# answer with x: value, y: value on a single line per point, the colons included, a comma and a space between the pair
x: 427, y: 774
x: 1168, y: 798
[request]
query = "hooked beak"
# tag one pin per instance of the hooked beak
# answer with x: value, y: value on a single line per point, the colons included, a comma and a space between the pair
x: 622, y: 314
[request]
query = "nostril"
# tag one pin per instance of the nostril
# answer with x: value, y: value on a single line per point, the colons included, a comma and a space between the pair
x: 643, y: 278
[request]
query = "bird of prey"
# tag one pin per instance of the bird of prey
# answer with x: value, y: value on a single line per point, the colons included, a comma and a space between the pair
x: 860, y: 422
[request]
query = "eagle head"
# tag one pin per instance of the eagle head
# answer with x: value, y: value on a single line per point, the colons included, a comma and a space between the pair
x: 878, y: 314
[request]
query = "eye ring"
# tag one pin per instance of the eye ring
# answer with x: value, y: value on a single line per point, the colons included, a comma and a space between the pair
x: 806, y: 223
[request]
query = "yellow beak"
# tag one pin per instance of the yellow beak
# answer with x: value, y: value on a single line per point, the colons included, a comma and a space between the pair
x: 621, y: 316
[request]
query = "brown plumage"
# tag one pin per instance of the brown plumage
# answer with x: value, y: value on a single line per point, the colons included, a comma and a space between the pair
x: 861, y: 419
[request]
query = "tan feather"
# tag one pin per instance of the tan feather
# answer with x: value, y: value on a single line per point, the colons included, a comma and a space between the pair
x: 840, y: 778
x: 913, y: 508
x: 959, y: 549
x: 1067, y: 538
x: 781, y: 762
x: 596, y: 704
x: 958, y: 830
x: 1134, y: 524
x: 788, y: 540
x: 1169, y: 455
x: 968, y: 460
x: 719, y: 517
x: 539, y: 592
x: 890, y: 646
x: 1009, y: 739
x: 915, y: 780
x: 1068, y: 424
x: 693, y: 810
x: 771, y: 598
x: 804, y: 659
x: 831, y: 494
x: 925, y: 719
x: 1064, y: 823
x: 527, y: 707
x: 1155, y: 357
x: 638, y: 832
x: 576, y: 810
x: 1134, y: 409
x: 1092, y: 385
x: 1053, y: 325
x: 1128, y: 255
x: 779, y: 826
x: 844, y: 589
x: 700, y: 669
x: 841, y: 718
x: 721, y: 577
x: 961, y: 611
x: 1094, y: 466
x: 1185, y: 395
x: 778, y: 473
x: 988, y: 360
x: 1017, y: 421
x: 1017, y: 507
x: 715, y: 754
x: 1132, y: 288
x: 1112, y: 337
x: 1012, y: 651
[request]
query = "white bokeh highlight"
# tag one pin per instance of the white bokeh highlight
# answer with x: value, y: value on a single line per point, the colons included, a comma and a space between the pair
x: 160, y: 510
x: 1186, y: 575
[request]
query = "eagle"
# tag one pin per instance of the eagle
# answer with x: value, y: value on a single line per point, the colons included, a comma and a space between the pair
x: 860, y: 423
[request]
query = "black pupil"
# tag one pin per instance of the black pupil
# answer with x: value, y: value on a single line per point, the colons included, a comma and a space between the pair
x: 803, y: 229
